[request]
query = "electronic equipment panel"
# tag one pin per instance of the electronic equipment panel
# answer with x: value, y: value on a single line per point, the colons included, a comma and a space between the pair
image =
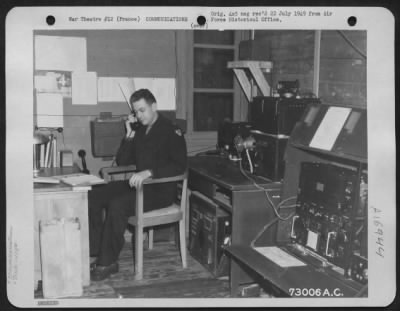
x: 278, y: 116
x: 351, y: 140
x: 267, y: 156
x: 261, y: 154
x: 331, y: 216
x: 209, y: 231
x: 227, y: 133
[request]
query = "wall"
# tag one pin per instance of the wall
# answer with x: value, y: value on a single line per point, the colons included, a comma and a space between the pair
x: 292, y: 54
x: 206, y: 140
x: 167, y: 53
x: 145, y: 53
x: 342, y: 69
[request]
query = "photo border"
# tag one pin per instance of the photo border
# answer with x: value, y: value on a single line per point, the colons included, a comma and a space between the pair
x: 380, y: 89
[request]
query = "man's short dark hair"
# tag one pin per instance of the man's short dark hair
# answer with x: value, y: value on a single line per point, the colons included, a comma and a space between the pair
x: 142, y: 94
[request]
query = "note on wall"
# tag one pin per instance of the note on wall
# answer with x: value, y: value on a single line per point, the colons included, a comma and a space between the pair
x: 60, y: 53
x: 163, y: 90
x: 46, y: 83
x: 114, y: 89
x: 49, y: 110
x: 119, y: 89
x: 84, y: 88
x: 330, y: 127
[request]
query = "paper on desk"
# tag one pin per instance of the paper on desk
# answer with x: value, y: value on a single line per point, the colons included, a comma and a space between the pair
x: 49, y: 110
x: 330, y: 127
x: 279, y: 256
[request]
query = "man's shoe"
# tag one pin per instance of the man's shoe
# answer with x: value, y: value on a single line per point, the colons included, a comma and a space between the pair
x: 103, y: 272
x: 93, y: 264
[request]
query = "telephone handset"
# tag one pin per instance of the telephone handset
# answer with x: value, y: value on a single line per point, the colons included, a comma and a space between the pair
x: 82, y: 154
x: 135, y: 125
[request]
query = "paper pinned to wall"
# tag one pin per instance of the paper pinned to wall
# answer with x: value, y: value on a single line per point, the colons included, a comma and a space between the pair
x: 60, y: 53
x: 84, y: 88
x: 119, y: 89
x: 330, y: 127
x: 109, y: 89
x: 126, y: 87
x: 45, y: 83
x: 49, y: 110
x: 163, y: 90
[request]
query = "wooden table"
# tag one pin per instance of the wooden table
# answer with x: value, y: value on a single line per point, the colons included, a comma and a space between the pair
x: 57, y: 201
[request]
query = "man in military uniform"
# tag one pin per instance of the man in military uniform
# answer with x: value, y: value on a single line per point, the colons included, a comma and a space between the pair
x: 158, y: 149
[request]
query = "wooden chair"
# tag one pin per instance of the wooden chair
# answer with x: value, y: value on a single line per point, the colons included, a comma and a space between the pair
x: 171, y: 214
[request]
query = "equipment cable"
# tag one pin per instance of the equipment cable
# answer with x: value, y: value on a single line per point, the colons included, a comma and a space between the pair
x: 268, y: 197
x: 275, y: 208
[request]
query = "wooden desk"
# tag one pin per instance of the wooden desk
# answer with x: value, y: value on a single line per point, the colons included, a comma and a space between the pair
x: 303, y: 281
x: 56, y: 201
x: 221, y: 181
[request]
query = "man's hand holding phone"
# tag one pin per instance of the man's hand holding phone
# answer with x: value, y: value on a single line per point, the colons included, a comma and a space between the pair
x: 130, y: 133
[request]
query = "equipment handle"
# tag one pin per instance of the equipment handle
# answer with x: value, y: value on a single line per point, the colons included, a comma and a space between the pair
x: 327, y: 244
x: 292, y: 231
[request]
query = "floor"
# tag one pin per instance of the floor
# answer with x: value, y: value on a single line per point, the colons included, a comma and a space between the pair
x: 163, y: 277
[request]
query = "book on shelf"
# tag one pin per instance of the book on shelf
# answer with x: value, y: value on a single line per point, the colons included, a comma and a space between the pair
x: 54, y: 153
x: 47, y: 154
x: 42, y: 154
x: 80, y: 179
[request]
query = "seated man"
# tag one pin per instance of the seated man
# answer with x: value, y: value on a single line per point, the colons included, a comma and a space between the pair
x: 158, y: 149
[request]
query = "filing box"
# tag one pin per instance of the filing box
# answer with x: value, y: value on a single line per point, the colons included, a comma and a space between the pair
x: 60, y: 252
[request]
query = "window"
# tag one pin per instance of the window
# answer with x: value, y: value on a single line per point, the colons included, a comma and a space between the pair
x: 213, y: 82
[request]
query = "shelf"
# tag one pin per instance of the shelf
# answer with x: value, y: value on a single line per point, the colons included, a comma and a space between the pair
x: 64, y: 94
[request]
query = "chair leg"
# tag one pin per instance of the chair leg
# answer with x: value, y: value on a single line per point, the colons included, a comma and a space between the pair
x: 138, y: 252
x: 133, y: 244
x: 151, y: 235
x: 176, y: 235
x: 182, y: 242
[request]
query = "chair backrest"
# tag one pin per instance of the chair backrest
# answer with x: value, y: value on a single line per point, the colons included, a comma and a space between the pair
x: 179, y: 178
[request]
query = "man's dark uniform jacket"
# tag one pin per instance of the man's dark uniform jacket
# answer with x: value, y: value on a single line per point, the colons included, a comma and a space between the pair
x: 163, y: 151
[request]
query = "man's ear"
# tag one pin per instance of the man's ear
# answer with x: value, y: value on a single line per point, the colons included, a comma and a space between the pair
x: 154, y: 106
